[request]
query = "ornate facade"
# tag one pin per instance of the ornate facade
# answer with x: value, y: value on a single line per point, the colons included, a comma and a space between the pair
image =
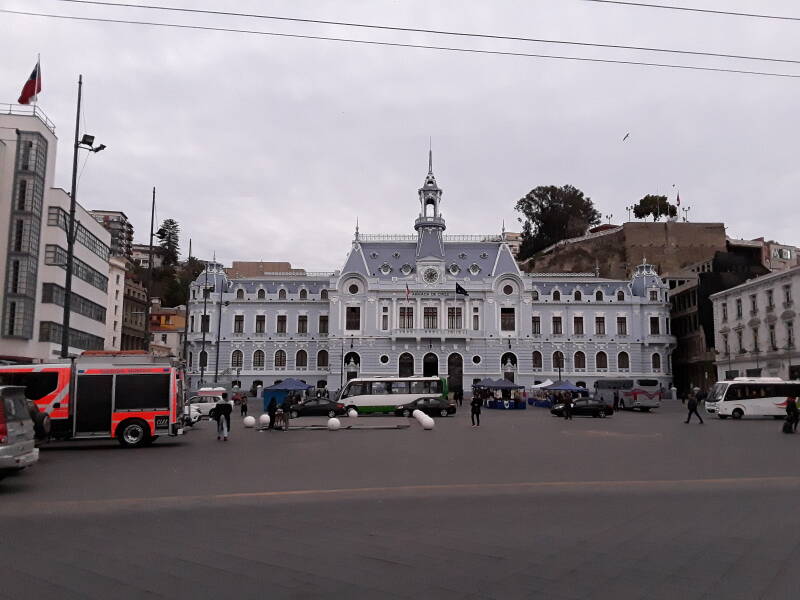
x: 428, y: 304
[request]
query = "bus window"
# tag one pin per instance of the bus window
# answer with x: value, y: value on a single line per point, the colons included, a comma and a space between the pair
x: 355, y: 389
x: 37, y: 385
x: 379, y: 388
x: 418, y: 387
x: 647, y: 382
x: 399, y: 387
x: 734, y: 393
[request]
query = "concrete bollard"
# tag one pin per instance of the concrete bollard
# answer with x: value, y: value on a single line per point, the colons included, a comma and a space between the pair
x: 352, y: 414
x: 334, y: 424
x: 428, y: 423
x: 249, y: 422
x: 264, y: 420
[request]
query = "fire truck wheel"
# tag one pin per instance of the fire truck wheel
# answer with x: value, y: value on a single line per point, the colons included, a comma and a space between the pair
x: 134, y: 433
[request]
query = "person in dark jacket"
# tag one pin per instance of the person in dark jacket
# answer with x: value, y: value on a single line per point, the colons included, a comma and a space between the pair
x: 616, y: 401
x: 272, y: 409
x: 222, y: 415
x: 691, y: 404
x: 475, y: 409
x: 243, y: 405
x: 792, y: 412
x: 568, y: 407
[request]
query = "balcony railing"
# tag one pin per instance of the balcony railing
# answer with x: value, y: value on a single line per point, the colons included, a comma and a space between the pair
x: 431, y: 332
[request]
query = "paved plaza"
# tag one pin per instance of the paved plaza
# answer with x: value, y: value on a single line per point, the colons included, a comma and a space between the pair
x: 527, y: 506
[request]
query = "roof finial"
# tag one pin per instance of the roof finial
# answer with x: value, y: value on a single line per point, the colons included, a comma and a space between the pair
x: 356, y: 228
x: 504, y: 227
x: 430, y: 156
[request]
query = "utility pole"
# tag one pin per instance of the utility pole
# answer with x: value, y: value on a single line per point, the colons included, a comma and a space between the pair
x: 219, y: 328
x: 186, y: 313
x: 203, y: 329
x: 71, y: 231
x: 149, y: 275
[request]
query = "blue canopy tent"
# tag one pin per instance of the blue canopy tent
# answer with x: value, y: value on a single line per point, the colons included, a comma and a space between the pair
x: 564, y: 386
x: 485, y: 383
x: 505, y: 384
x: 279, y: 391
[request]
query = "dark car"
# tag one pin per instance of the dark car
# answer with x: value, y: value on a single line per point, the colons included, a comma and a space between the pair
x: 316, y: 407
x: 585, y: 407
x: 434, y: 407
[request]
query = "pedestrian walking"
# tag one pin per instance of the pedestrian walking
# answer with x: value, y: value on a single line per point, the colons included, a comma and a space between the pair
x: 792, y: 413
x: 222, y: 415
x: 691, y: 404
x: 475, y: 410
x: 272, y: 410
x: 243, y: 406
x: 616, y: 401
x: 460, y: 397
x: 567, y: 408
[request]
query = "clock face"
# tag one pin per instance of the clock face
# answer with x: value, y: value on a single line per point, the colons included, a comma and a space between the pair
x: 431, y: 275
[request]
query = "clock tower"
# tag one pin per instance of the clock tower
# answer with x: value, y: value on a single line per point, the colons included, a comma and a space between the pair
x: 430, y: 226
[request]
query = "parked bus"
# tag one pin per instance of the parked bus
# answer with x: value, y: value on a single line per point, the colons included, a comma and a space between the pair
x: 643, y: 394
x: 129, y: 396
x: 751, y: 397
x: 384, y: 394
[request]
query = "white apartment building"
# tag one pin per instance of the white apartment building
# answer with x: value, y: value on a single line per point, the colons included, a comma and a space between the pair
x: 33, y: 258
x: 117, y: 266
x: 755, y: 327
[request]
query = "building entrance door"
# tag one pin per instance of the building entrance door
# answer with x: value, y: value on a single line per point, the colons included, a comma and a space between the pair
x: 406, y: 365
x: 455, y: 373
x: 430, y: 365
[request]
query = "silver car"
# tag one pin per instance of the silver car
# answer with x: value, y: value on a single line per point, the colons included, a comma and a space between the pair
x: 17, y: 438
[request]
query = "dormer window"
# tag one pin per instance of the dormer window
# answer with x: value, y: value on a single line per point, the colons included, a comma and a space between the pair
x: 474, y: 269
x: 556, y: 296
x: 406, y: 269
x: 454, y: 269
x: 598, y: 296
x: 577, y: 296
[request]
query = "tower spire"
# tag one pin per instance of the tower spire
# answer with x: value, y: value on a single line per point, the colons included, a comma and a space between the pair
x: 430, y: 156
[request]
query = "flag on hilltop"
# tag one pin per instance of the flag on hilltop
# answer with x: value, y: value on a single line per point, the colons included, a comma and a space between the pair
x: 32, y: 87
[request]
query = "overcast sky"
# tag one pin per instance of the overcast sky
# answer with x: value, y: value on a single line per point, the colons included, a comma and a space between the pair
x: 270, y: 148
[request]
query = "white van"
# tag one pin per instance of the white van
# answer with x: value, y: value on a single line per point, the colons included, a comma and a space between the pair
x: 751, y: 397
x: 205, y: 399
x: 384, y: 394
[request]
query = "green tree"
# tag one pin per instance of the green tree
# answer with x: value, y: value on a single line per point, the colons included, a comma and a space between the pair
x: 654, y: 205
x: 551, y: 214
x: 169, y: 240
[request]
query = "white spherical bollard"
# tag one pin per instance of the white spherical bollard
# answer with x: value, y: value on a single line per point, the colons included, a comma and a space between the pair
x: 428, y: 423
x: 263, y: 420
x: 334, y: 424
x: 352, y: 413
x: 249, y: 421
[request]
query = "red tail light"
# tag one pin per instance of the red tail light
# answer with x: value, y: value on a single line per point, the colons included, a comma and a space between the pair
x: 340, y: 405
x: 3, y: 425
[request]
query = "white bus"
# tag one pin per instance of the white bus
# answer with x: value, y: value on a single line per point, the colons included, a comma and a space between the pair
x: 751, y: 397
x: 385, y: 394
x: 643, y: 394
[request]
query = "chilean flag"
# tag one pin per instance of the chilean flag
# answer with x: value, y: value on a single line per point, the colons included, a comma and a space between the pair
x: 32, y: 87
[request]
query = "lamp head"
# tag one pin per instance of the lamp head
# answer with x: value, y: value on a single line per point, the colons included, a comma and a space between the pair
x: 87, y: 140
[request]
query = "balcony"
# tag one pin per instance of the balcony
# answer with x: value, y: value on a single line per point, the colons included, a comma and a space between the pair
x: 430, y: 333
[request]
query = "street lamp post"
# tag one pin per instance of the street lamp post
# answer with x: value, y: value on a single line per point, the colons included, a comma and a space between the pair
x: 686, y: 213
x: 87, y: 143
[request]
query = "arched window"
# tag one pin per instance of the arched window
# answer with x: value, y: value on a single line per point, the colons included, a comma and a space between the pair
x: 301, y: 359
x: 580, y: 360
x: 601, y: 360
x: 556, y: 296
x: 303, y: 294
x: 598, y: 296
x: 537, y: 359
x: 656, y: 362
x: 258, y: 359
x: 323, y: 295
x: 280, y: 359
x: 577, y: 296
x: 203, y: 359
x: 322, y: 359
x: 237, y: 358
x: 535, y: 296
x: 558, y: 359
x: 623, y: 361
x: 262, y: 294
x: 620, y: 296
x: 282, y: 295
x: 240, y: 294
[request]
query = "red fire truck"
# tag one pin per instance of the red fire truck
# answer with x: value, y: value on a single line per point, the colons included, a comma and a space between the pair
x: 129, y: 396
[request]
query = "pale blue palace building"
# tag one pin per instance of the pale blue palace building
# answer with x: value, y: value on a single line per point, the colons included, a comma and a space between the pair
x: 393, y: 310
